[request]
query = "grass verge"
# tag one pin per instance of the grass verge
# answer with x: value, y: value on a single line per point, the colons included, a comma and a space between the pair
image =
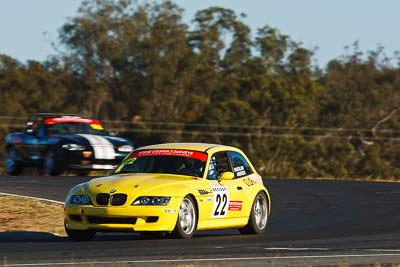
x: 24, y: 214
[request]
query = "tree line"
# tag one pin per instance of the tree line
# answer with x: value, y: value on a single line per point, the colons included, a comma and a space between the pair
x: 153, y: 78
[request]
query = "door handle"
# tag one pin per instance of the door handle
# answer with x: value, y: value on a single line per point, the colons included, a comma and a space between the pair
x: 239, y: 188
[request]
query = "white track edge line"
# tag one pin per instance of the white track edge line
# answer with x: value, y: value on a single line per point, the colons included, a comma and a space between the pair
x: 205, y: 259
x: 36, y: 198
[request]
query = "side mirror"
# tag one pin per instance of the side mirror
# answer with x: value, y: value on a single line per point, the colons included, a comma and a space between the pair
x: 227, y: 176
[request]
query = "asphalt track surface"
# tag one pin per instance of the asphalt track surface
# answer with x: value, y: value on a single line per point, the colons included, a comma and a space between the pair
x: 312, y: 223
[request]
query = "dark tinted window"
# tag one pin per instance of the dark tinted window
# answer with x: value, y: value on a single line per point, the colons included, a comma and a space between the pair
x: 212, y: 174
x: 240, y: 166
x: 219, y: 163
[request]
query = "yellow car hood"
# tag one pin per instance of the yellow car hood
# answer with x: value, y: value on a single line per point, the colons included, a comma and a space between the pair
x: 138, y: 183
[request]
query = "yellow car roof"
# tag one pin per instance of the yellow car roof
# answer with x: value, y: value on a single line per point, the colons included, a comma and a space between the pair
x: 202, y: 147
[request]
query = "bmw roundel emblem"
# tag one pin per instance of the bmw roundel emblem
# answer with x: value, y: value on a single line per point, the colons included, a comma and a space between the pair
x: 113, y: 191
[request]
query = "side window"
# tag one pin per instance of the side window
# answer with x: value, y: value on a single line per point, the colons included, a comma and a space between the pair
x: 219, y: 163
x: 211, y: 174
x: 240, y: 166
x: 50, y: 129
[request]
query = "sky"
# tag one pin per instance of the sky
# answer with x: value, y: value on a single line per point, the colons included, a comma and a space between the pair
x: 29, y: 27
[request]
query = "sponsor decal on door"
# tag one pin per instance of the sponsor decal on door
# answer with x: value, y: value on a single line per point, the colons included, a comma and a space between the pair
x: 235, y: 205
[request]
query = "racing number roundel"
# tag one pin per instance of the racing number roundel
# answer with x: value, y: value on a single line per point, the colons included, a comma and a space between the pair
x: 221, y: 201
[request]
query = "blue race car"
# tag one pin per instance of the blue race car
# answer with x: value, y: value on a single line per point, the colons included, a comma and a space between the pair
x: 62, y: 142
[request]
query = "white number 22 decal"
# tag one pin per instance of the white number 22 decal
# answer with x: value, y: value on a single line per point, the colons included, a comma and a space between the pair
x: 221, y: 200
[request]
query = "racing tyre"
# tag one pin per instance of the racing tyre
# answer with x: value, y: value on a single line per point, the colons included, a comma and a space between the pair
x: 187, y: 219
x: 258, y: 216
x: 80, y: 235
x: 50, y: 164
x: 13, y: 165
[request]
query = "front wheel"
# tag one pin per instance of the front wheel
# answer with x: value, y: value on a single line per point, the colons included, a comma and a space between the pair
x: 51, y: 165
x: 80, y: 235
x: 187, y: 219
x: 258, y: 216
x: 13, y: 165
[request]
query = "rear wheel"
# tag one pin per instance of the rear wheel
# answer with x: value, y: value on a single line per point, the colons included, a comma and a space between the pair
x: 258, y: 216
x: 13, y: 165
x: 187, y: 219
x: 51, y: 165
x: 80, y: 235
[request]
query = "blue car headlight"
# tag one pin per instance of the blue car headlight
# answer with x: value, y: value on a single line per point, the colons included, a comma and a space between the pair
x: 151, y: 201
x: 80, y: 199
x: 125, y: 148
x: 73, y: 147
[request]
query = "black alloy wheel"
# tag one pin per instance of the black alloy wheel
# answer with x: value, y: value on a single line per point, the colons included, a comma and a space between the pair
x: 51, y: 164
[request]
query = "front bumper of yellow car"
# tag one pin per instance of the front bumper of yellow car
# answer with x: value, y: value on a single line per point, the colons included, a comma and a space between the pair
x: 124, y: 218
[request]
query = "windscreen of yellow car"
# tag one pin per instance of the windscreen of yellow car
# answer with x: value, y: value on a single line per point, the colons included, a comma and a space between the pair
x: 169, y: 161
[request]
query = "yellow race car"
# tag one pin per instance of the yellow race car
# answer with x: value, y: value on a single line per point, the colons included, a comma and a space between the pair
x: 175, y: 188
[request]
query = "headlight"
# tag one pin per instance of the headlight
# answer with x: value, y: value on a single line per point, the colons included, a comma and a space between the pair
x: 151, y: 201
x: 73, y: 147
x: 80, y: 199
x: 125, y: 148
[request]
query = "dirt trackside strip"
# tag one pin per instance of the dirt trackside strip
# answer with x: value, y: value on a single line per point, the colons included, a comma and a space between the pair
x: 30, y: 215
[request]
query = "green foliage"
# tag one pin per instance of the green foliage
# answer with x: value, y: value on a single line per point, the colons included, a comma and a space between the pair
x: 213, y: 82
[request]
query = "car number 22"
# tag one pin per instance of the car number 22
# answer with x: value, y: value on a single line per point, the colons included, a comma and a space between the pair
x: 220, y: 201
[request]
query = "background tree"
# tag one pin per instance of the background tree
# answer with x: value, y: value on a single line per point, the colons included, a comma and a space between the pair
x: 153, y: 78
